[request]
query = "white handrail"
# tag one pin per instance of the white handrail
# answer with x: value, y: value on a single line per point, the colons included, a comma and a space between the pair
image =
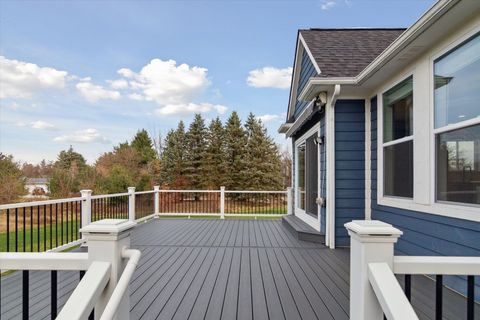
x: 188, y: 191
x: 436, y: 265
x: 144, y: 192
x: 44, y: 261
x: 390, y: 295
x: 256, y: 191
x: 133, y: 257
x: 112, y: 195
x: 87, y: 292
x: 38, y: 203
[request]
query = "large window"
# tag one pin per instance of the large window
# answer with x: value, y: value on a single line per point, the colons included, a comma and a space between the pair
x: 307, y: 175
x: 398, y: 140
x: 457, y: 123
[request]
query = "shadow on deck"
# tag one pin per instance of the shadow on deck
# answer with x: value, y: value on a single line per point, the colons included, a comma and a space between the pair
x: 230, y: 269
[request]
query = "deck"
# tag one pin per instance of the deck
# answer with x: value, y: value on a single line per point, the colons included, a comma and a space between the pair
x: 230, y: 269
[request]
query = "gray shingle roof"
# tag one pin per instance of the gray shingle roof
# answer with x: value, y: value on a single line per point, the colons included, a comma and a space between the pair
x: 346, y: 52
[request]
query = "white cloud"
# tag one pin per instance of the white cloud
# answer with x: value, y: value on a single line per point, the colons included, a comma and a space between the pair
x: 42, y: 125
x: 179, y: 109
x: 328, y: 4
x: 19, y: 79
x: 118, y: 84
x: 82, y: 136
x: 92, y: 92
x: 135, y: 96
x: 270, y: 77
x: 268, y: 117
x: 166, y: 83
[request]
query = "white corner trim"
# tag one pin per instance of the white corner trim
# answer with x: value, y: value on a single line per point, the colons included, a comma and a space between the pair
x: 310, y: 55
x: 330, y: 153
x: 368, y: 161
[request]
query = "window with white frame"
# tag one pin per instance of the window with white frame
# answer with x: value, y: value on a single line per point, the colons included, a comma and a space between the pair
x: 398, y: 140
x: 307, y: 174
x: 457, y: 123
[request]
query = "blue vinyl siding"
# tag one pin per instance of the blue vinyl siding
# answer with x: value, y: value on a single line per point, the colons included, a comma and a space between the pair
x: 307, y: 71
x: 349, y: 166
x: 426, y: 234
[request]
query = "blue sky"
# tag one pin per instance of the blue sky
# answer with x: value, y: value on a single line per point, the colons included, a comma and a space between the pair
x: 91, y: 73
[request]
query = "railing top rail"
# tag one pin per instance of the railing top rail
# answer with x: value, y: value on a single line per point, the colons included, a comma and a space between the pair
x: 38, y: 203
x: 436, y: 265
x: 44, y: 261
x: 393, y: 301
x: 103, y: 196
x: 189, y: 191
x: 87, y: 293
x: 144, y: 192
x: 256, y: 191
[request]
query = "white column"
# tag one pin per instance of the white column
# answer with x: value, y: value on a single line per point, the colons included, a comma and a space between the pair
x: 131, y: 203
x: 289, y: 200
x: 222, y: 202
x: 156, y: 195
x: 106, y: 239
x: 86, y: 208
x: 370, y: 241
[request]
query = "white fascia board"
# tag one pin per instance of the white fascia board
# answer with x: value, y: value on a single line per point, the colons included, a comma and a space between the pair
x: 295, y: 76
x: 284, y: 127
x: 304, y: 116
x: 316, y: 85
x: 310, y: 55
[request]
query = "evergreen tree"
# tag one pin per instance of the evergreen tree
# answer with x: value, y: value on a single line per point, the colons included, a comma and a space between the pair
x: 263, y: 159
x: 66, y: 159
x: 235, y: 142
x: 172, y: 170
x: 195, y: 153
x: 144, y: 146
x: 215, y: 156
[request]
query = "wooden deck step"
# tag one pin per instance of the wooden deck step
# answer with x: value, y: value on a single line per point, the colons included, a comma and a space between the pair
x: 301, y: 230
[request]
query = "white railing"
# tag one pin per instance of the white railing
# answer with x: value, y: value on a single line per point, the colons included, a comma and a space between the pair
x: 374, y: 288
x: 103, y: 287
x: 54, y: 225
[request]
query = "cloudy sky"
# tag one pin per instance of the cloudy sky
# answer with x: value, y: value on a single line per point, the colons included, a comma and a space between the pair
x: 91, y: 73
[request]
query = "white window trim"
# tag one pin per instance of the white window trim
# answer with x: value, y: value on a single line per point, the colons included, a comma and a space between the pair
x: 447, y: 209
x: 302, y: 214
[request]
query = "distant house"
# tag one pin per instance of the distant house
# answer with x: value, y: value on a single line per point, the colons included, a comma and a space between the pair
x: 385, y: 125
x: 37, y: 186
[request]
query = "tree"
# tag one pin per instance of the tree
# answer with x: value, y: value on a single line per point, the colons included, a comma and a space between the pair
x: 195, y: 152
x: 66, y: 159
x: 172, y: 172
x: 144, y: 146
x: 12, y: 183
x: 69, y: 171
x: 263, y: 168
x: 235, y: 141
x: 214, y: 161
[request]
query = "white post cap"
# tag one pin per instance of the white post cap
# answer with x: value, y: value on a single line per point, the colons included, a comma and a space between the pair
x: 372, y: 229
x: 108, y: 226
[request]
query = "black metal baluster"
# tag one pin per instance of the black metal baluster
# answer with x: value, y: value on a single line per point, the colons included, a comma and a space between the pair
x: 8, y: 230
x: 61, y: 223
x: 31, y: 229
x: 438, y: 297
x: 16, y: 229
x: 53, y: 294
x: 72, y: 212
x: 24, y: 232
x: 25, y: 302
x: 45, y: 228
x: 51, y: 223
x: 470, y: 297
x: 66, y: 223
x: 38, y: 228
x: 408, y: 287
x: 56, y: 224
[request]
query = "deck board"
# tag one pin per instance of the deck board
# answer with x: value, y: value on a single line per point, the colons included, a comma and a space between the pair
x: 227, y: 269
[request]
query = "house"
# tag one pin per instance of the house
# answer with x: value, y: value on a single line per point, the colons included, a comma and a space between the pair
x: 36, y: 186
x: 385, y: 125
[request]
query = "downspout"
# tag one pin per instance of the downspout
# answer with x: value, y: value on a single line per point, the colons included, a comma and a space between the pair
x: 330, y: 129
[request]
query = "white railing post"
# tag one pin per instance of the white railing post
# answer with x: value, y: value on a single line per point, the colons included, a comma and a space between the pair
x: 86, y: 208
x: 222, y: 202
x: 156, y: 201
x: 289, y: 200
x: 370, y: 241
x: 106, y: 240
x: 131, y: 203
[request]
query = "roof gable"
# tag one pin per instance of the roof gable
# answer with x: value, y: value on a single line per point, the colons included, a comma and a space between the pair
x: 346, y: 52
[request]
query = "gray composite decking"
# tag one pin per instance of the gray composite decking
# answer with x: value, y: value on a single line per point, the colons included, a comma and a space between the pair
x: 231, y: 269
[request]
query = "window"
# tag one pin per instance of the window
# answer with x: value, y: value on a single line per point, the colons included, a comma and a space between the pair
x: 301, y: 176
x: 307, y: 175
x: 457, y: 123
x: 398, y: 140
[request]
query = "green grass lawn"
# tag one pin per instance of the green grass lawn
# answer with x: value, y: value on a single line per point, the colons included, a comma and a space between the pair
x: 32, y: 237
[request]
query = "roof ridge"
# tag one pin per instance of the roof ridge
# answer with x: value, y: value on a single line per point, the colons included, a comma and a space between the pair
x: 350, y: 29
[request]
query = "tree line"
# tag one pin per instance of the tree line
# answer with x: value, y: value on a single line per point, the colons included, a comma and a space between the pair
x: 231, y: 154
